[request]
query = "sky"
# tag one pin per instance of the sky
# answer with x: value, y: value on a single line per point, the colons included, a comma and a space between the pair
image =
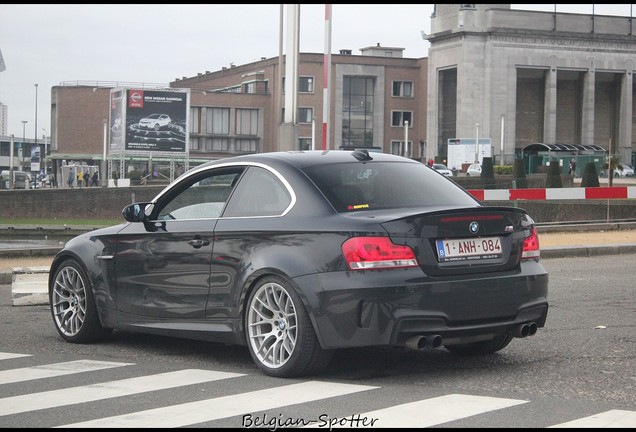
x: 49, y: 44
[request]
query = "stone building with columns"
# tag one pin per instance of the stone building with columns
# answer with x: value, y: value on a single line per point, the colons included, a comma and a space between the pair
x: 521, y: 77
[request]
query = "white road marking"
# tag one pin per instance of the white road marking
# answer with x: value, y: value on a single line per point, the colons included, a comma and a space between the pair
x: 429, y: 412
x: 227, y: 406
x: 607, y: 419
x: 54, y: 370
x: 106, y: 390
x: 6, y: 356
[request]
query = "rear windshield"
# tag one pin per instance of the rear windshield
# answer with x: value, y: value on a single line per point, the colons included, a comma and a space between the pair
x: 360, y: 186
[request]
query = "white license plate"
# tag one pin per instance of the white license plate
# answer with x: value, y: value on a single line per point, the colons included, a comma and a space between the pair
x: 468, y: 249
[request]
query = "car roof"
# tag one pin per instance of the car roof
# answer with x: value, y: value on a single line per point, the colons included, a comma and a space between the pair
x: 306, y: 158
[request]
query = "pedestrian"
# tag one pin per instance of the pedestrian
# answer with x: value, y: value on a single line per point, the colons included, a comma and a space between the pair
x: 572, y: 167
x: 71, y: 179
x: 53, y: 180
x: 87, y: 178
x: 95, y: 178
x: 80, y: 177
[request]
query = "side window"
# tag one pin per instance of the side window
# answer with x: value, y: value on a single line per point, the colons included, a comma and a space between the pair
x: 204, y: 196
x: 258, y: 193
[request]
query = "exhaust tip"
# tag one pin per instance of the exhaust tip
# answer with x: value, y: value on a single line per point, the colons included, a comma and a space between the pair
x: 436, y: 341
x: 416, y: 342
x: 522, y: 330
x: 532, y: 329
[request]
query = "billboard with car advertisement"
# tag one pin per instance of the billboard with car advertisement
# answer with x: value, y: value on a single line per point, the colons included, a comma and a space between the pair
x: 149, y: 120
x: 156, y: 120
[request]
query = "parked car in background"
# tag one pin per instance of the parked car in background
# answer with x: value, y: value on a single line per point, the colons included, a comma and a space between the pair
x: 155, y: 121
x: 21, y: 179
x: 626, y: 171
x: 474, y: 170
x: 298, y: 254
x: 442, y: 169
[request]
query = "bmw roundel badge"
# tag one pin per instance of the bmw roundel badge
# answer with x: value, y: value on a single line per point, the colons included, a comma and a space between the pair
x: 473, y: 227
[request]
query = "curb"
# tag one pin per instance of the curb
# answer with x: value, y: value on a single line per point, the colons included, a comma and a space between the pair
x: 587, y: 251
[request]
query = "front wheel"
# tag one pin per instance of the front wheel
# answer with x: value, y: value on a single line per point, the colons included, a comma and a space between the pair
x: 281, y: 339
x: 495, y: 344
x: 73, y: 305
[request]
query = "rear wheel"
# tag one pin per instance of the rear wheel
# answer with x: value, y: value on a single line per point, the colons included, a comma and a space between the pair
x: 281, y: 339
x: 73, y: 305
x: 495, y: 344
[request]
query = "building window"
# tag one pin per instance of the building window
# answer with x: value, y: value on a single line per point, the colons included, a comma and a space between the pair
x: 218, y: 121
x: 304, y: 143
x: 250, y: 88
x: 305, y: 84
x: 246, y: 145
x: 403, y: 89
x: 422, y: 149
x: 305, y: 115
x: 357, y: 111
x: 194, y: 143
x: 217, y: 144
x: 246, y: 121
x: 398, y: 148
x: 399, y: 117
x: 195, y: 120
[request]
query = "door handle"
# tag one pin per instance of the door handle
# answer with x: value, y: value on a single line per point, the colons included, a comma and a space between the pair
x: 198, y: 242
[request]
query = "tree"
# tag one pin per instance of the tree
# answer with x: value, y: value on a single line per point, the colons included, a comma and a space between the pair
x: 553, y: 177
x: 519, y: 174
x: 488, y: 173
x: 590, y: 176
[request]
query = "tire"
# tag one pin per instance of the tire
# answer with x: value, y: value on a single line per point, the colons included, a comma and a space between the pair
x: 493, y: 345
x: 279, y: 333
x: 157, y: 127
x: 73, y: 305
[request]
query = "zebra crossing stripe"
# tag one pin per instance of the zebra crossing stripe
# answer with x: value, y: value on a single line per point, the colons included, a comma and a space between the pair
x: 6, y: 356
x: 106, y: 390
x: 437, y: 410
x: 607, y: 419
x: 54, y: 370
x: 227, y: 406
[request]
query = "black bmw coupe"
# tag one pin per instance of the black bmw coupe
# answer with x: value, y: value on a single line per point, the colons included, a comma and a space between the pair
x: 297, y: 254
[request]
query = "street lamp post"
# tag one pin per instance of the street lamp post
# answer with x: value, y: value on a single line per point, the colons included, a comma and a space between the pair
x: 36, y: 137
x: 45, y: 142
x: 24, y: 122
x: 407, y: 153
x: 477, y: 143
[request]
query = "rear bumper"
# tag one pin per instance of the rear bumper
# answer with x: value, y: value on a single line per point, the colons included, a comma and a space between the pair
x: 372, y: 308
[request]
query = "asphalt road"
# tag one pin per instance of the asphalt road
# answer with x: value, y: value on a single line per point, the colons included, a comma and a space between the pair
x: 581, y: 365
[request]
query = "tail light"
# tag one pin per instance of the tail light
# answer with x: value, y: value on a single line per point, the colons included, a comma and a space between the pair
x: 531, y: 245
x: 364, y: 253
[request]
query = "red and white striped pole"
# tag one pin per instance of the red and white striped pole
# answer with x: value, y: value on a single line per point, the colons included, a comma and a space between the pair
x: 326, y: 78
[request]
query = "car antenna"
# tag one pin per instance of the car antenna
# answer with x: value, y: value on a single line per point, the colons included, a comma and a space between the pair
x: 362, y: 155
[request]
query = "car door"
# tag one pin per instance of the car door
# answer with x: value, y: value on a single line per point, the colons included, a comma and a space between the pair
x: 162, y: 265
x: 248, y: 226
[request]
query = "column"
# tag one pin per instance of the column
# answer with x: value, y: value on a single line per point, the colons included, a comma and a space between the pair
x: 587, y: 114
x: 550, y: 106
x: 625, y: 117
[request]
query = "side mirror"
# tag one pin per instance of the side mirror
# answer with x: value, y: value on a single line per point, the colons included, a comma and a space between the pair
x: 135, y: 212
